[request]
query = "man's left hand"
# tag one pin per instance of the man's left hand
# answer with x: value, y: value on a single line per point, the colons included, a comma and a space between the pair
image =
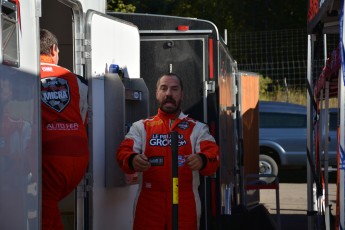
x: 194, y: 161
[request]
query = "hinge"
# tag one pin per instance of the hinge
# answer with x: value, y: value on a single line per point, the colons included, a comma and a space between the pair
x: 89, y: 115
x: 210, y: 86
x: 87, y: 55
x: 87, y: 49
x: 232, y: 108
x: 85, y: 186
x: 88, y: 182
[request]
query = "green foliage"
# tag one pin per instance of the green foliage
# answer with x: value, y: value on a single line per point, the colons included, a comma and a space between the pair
x: 234, y: 15
x: 219, y: 12
x: 120, y: 6
x: 271, y: 91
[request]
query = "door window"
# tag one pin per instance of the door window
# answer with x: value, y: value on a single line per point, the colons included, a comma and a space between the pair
x: 9, y: 34
x: 282, y: 120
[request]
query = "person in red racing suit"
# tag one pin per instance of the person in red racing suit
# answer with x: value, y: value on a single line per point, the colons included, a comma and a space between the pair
x: 146, y: 149
x: 65, y: 151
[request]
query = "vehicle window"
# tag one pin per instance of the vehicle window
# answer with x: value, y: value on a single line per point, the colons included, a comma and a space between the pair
x: 9, y: 34
x: 282, y: 120
x: 333, y: 121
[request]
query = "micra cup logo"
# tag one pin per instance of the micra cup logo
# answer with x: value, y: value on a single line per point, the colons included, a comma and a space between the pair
x: 55, y: 93
x: 181, y: 160
x: 183, y: 125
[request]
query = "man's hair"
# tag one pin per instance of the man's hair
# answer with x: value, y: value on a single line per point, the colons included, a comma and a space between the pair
x: 47, y: 40
x: 171, y: 75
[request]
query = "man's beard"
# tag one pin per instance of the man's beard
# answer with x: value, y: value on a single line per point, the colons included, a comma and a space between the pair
x: 170, y: 110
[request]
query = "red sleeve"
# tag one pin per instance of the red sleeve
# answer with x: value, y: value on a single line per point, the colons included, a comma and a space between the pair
x: 123, y: 155
x: 211, y: 152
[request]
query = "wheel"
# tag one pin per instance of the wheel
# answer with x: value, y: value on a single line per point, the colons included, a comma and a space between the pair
x: 267, y: 165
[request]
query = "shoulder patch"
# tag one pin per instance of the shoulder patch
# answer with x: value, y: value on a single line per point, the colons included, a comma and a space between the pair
x: 55, y: 93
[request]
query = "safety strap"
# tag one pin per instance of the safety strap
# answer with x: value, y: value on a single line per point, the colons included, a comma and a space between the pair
x: 315, y: 176
x: 311, y: 96
x: 310, y: 162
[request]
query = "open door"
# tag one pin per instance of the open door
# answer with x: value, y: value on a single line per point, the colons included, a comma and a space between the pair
x: 20, y: 150
x: 111, y: 41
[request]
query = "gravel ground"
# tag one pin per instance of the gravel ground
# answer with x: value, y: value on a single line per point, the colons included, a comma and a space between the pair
x: 294, y: 203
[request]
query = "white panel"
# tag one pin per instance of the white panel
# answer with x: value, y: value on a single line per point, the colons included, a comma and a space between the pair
x: 19, y: 149
x: 112, y: 207
x: 111, y: 42
x: 28, y: 38
x: 114, y: 42
x: 19, y: 130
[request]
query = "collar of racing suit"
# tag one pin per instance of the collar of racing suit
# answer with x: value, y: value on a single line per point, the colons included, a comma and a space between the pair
x: 171, y: 120
x: 46, y: 59
x: 165, y: 115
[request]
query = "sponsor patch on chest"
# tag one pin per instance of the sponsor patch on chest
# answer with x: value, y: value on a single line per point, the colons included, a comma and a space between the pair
x: 181, y: 160
x: 164, y: 140
x: 156, y: 161
x: 55, y: 93
x: 183, y: 125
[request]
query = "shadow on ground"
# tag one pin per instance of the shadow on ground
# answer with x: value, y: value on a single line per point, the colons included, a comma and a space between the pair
x: 300, y: 222
x: 299, y: 175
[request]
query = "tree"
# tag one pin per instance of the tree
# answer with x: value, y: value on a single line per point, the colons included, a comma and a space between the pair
x: 120, y: 6
x: 234, y: 15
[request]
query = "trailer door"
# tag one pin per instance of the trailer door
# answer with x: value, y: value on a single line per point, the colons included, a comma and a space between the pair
x: 20, y: 149
x: 186, y: 56
x: 108, y: 41
x: 183, y: 55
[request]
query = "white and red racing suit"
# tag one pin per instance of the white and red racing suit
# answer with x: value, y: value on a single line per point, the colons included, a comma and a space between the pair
x: 65, y: 150
x: 153, y: 206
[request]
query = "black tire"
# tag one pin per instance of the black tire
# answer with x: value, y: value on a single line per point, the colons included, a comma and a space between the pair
x: 267, y: 165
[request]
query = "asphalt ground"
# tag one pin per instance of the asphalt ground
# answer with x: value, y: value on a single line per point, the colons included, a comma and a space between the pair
x: 294, y: 201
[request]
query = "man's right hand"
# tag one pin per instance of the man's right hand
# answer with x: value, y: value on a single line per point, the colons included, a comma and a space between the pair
x: 141, y: 163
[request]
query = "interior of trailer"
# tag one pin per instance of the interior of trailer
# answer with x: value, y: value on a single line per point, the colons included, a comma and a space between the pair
x: 53, y: 11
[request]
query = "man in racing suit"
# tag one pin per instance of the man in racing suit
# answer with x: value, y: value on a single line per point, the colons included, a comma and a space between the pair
x: 146, y: 149
x: 65, y: 151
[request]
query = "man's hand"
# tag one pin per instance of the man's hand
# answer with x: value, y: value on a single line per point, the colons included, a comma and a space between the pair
x: 194, y: 161
x: 141, y: 163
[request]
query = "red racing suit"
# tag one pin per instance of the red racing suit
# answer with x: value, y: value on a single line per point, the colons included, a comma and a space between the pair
x: 65, y: 150
x: 153, y: 206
